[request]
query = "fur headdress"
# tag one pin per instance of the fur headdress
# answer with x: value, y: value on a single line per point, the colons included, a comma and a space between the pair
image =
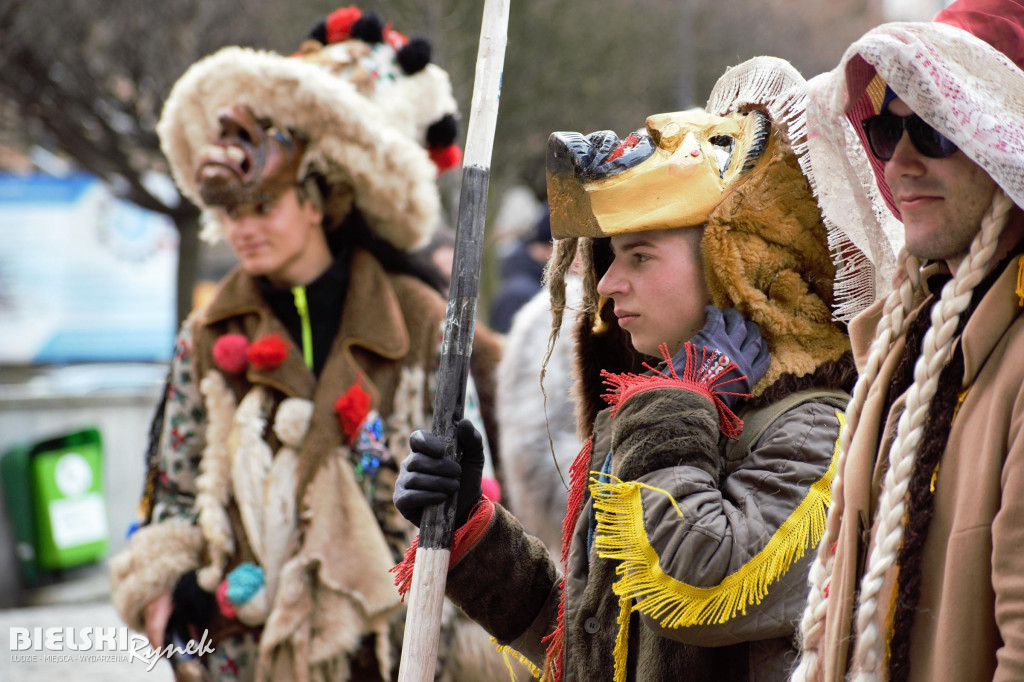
x: 765, y: 247
x: 367, y: 104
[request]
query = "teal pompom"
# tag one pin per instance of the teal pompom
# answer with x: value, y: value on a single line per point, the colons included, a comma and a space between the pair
x: 243, y: 582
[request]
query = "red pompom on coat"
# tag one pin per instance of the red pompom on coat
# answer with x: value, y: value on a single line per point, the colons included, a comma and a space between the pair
x: 352, y: 408
x: 268, y: 353
x: 230, y: 353
x: 223, y: 603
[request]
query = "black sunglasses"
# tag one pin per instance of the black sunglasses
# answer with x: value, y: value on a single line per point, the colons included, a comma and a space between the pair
x: 885, y: 130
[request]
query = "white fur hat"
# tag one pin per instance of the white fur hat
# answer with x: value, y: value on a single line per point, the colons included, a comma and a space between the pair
x: 370, y: 138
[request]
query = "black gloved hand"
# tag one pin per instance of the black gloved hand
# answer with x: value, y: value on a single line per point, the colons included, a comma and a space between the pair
x: 728, y: 336
x: 427, y: 478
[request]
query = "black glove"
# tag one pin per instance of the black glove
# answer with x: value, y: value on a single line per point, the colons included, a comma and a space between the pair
x: 427, y: 478
x: 728, y: 336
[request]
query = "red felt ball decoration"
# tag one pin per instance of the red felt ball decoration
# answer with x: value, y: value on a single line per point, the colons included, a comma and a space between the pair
x: 268, y: 353
x: 352, y: 408
x: 445, y: 157
x: 229, y: 352
x: 339, y: 23
x: 223, y: 603
x: 490, y: 488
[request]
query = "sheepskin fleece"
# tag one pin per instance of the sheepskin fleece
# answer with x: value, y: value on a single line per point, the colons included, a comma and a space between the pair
x: 536, y: 493
x: 350, y: 140
x: 156, y: 557
x: 410, y: 102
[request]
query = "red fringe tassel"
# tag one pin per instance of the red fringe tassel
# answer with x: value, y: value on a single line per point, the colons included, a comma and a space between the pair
x: 579, y: 473
x: 465, y: 537
x: 702, y: 374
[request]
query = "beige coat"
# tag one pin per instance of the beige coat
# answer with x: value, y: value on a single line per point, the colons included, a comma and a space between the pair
x: 970, y: 620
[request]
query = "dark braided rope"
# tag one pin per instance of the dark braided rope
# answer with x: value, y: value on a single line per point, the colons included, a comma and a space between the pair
x: 920, y: 509
x: 921, y: 503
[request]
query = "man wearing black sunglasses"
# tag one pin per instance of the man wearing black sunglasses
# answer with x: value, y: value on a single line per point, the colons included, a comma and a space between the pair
x: 917, y: 147
x: 940, y: 193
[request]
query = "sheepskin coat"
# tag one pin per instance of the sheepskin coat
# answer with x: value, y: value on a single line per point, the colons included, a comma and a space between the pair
x: 279, y: 484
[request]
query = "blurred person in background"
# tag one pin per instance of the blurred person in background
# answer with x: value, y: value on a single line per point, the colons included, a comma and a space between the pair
x: 522, y: 272
x: 267, y: 522
x: 523, y: 246
x: 440, y: 251
x: 534, y: 470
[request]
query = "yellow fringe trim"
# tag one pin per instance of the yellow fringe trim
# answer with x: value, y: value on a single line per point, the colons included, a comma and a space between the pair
x: 674, y: 604
x: 890, y: 618
x: 960, y: 398
x: 506, y: 651
x: 1020, y: 281
x: 621, y: 651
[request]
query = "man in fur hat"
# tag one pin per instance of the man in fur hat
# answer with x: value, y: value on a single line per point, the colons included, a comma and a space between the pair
x: 704, y: 483
x: 921, y: 575
x: 268, y: 520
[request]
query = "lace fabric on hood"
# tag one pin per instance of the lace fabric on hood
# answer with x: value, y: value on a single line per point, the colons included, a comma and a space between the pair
x: 959, y: 84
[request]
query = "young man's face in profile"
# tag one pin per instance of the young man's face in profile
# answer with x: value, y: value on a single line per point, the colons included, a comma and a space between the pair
x: 656, y: 282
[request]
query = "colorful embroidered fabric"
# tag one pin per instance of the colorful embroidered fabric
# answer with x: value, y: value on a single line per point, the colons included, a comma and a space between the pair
x: 182, y: 441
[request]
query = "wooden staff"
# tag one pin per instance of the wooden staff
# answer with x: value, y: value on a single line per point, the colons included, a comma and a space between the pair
x: 426, y: 597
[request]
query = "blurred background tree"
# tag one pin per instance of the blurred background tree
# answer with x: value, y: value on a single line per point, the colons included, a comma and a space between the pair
x: 86, y: 79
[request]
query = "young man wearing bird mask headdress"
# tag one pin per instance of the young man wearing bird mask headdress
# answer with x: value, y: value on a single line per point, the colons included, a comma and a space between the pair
x: 701, y: 493
x: 267, y: 518
x: 917, y: 142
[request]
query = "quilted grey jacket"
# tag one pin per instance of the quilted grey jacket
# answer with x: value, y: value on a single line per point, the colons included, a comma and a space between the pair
x: 689, y: 557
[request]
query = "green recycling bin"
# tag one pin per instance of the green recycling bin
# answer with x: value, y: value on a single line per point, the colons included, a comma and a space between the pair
x: 55, y: 499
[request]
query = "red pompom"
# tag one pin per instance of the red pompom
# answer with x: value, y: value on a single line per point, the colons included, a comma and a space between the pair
x: 491, y: 488
x: 227, y: 609
x: 445, y: 157
x: 339, y: 23
x: 268, y: 353
x: 229, y: 352
x: 352, y: 408
x: 395, y: 39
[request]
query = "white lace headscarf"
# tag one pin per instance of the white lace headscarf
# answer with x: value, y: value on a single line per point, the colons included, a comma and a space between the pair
x: 974, y: 95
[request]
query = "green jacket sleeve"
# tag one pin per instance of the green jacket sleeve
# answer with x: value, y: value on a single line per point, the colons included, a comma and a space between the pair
x: 507, y: 582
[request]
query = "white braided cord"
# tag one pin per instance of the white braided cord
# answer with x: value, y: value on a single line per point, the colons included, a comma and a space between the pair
x: 938, y: 341
x: 892, y: 325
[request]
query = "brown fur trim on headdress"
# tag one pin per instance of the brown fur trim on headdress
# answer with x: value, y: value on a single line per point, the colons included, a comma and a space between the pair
x: 766, y: 253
